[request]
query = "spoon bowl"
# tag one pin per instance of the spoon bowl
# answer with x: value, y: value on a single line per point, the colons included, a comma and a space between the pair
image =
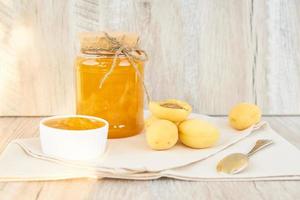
x: 232, y: 164
x: 237, y: 162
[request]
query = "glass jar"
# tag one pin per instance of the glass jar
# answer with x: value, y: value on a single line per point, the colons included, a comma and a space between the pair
x: 120, y: 100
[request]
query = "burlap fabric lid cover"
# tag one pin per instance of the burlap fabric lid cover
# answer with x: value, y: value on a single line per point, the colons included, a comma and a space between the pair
x: 108, y: 41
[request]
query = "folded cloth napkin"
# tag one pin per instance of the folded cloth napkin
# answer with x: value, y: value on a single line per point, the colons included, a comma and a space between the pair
x: 130, y: 158
x: 134, y: 154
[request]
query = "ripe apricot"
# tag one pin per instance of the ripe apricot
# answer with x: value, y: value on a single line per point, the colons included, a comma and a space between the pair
x: 161, y: 135
x: 197, y: 133
x: 244, y: 115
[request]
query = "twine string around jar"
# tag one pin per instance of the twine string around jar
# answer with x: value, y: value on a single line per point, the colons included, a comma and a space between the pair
x: 119, y: 48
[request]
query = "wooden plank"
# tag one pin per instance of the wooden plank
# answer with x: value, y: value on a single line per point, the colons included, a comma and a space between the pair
x: 11, y: 128
x: 36, y: 60
x: 278, y: 79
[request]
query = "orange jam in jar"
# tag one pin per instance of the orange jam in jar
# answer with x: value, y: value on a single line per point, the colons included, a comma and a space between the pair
x: 119, y: 99
x: 74, y: 123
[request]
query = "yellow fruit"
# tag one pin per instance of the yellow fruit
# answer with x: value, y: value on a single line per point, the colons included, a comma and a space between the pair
x: 150, y: 120
x: 244, y: 115
x: 198, y: 134
x: 161, y: 135
x: 170, y: 109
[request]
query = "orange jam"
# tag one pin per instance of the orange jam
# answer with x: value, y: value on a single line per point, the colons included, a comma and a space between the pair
x: 119, y: 100
x: 74, y: 123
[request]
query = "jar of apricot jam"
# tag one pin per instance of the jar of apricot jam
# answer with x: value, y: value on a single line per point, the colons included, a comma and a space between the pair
x: 114, y: 93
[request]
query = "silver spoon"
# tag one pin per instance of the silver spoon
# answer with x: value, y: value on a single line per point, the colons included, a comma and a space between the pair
x: 237, y: 162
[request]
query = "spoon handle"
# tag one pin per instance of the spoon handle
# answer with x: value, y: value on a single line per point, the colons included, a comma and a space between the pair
x: 259, y: 145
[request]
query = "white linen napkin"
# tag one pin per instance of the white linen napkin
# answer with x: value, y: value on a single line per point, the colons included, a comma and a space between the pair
x: 130, y: 158
x: 134, y: 154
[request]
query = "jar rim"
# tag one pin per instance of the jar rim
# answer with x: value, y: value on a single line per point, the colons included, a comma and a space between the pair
x: 91, y: 55
x: 104, y: 53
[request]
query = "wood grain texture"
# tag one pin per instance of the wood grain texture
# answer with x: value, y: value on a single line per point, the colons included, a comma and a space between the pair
x: 21, y: 127
x: 278, y: 77
x: 212, y: 54
x: 36, y: 58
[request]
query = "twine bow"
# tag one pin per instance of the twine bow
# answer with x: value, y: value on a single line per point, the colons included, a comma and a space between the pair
x: 132, y: 54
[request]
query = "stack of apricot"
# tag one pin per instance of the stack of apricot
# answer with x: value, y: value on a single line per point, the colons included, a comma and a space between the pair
x: 169, y: 122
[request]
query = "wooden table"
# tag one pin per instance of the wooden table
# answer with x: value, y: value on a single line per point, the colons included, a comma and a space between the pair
x: 22, y: 127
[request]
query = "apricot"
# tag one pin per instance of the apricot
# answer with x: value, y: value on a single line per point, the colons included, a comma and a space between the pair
x: 196, y: 133
x: 244, y: 115
x: 170, y: 109
x: 161, y: 135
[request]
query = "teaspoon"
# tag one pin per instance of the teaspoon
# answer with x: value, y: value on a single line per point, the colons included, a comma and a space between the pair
x: 237, y: 162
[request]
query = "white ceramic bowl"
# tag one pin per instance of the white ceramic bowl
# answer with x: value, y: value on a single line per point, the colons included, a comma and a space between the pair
x: 73, y: 144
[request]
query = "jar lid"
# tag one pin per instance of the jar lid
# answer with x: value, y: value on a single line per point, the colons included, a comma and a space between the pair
x: 103, y: 41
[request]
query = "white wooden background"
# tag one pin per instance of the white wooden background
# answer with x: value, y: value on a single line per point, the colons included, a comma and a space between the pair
x: 212, y: 53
